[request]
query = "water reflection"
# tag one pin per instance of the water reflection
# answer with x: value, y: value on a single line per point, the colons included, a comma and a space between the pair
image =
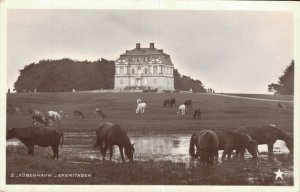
x: 175, y: 147
x: 168, y: 147
x: 13, y: 142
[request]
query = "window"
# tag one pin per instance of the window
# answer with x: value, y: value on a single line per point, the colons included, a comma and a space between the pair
x: 132, y: 81
x: 146, y: 71
x: 160, y: 69
x: 134, y: 59
x: 145, y: 81
x: 132, y: 71
x: 155, y: 69
x: 155, y: 81
x: 121, y: 70
x: 121, y: 81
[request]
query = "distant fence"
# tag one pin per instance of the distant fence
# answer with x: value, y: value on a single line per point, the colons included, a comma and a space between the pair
x: 128, y: 91
x: 118, y: 91
x: 109, y: 91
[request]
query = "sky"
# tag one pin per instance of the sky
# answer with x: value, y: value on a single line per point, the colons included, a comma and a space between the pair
x: 228, y: 51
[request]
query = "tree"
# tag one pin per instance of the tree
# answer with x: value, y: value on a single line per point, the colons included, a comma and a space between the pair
x: 66, y: 74
x: 285, y: 85
x: 186, y: 83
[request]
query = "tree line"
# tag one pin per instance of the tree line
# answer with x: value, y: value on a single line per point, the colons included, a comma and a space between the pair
x: 186, y: 83
x: 66, y: 74
x: 285, y: 84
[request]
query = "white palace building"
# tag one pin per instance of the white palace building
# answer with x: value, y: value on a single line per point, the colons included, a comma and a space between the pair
x: 144, y: 68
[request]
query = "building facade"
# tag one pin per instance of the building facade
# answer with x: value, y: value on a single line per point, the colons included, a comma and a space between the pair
x: 144, y: 68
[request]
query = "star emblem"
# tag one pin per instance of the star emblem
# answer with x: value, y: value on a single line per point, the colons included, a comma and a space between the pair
x: 279, y: 174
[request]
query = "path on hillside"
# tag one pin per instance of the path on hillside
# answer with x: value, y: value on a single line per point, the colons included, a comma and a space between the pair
x: 249, y: 98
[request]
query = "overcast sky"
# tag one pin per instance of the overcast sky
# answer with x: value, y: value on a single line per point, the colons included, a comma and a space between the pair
x: 229, y: 51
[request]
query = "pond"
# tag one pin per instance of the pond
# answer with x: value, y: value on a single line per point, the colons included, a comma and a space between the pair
x: 156, y: 147
x: 78, y: 149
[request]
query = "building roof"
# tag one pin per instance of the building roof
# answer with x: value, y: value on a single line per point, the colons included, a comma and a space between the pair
x: 151, y: 52
x: 144, y: 51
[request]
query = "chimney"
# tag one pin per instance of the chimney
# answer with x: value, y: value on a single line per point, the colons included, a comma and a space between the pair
x: 151, y: 45
x: 138, y: 46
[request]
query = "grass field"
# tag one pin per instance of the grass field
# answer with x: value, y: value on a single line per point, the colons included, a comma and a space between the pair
x: 232, y: 172
x: 217, y: 113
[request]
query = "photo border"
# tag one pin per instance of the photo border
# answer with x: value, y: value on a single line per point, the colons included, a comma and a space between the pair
x: 5, y: 5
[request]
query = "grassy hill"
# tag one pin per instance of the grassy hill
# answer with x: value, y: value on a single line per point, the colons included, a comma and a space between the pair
x: 217, y: 112
x: 264, y: 96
